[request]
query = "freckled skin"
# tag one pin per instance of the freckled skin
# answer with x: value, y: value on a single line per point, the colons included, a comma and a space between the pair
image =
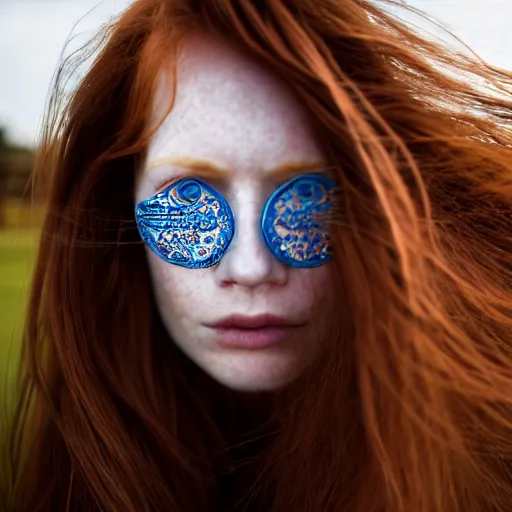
x: 232, y: 113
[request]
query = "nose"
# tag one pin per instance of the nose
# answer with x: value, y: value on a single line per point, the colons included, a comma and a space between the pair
x: 249, y: 262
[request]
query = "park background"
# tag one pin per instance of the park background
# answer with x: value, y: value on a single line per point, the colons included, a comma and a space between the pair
x: 34, y: 37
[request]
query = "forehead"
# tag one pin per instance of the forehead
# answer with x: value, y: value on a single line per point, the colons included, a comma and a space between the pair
x: 229, y: 111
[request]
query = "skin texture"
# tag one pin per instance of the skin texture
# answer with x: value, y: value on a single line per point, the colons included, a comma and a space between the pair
x: 231, y: 114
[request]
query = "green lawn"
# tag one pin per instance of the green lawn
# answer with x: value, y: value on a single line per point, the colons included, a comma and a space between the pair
x: 17, y: 245
x: 16, y: 258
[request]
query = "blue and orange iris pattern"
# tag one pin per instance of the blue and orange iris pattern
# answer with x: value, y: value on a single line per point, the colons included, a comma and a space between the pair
x: 189, y: 224
x: 192, y: 225
x: 294, y: 221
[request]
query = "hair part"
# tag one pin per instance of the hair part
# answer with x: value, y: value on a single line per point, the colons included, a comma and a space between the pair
x: 409, y: 409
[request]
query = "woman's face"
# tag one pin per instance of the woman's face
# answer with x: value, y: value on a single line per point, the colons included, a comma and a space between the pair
x: 251, y: 322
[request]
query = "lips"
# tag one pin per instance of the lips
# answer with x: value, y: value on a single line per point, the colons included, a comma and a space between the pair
x: 254, y: 322
x: 253, y: 332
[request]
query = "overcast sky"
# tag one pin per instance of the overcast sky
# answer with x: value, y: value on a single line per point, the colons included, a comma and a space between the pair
x: 33, y: 34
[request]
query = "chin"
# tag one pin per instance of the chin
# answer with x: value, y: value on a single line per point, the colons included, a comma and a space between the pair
x: 254, y: 385
x: 254, y: 375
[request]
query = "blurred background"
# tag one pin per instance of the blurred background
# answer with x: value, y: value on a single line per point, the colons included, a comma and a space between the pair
x: 36, y: 34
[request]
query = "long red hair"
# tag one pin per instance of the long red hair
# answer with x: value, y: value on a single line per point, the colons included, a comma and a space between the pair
x: 409, y: 409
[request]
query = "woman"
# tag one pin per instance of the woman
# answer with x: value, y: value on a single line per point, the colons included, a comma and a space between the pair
x: 188, y: 349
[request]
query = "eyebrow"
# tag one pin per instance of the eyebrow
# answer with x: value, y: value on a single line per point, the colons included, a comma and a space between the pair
x: 206, y: 169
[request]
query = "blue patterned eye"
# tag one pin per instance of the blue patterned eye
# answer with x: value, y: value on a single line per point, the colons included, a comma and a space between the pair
x: 292, y: 222
x: 189, y: 191
x: 188, y: 224
x: 305, y: 190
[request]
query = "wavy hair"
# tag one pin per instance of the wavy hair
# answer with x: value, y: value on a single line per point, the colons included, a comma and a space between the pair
x: 410, y: 407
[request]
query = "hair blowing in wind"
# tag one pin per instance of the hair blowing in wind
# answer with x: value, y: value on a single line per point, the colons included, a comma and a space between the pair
x: 410, y: 407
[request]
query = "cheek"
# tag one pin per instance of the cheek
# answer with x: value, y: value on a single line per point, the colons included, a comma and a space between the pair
x: 176, y: 289
x: 315, y: 283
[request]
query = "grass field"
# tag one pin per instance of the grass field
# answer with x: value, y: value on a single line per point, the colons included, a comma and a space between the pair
x: 17, y: 245
x: 16, y: 259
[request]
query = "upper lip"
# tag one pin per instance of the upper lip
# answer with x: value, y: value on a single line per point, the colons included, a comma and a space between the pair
x: 254, y: 322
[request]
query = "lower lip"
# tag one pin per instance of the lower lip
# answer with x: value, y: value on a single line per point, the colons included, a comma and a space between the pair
x: 252, y: 339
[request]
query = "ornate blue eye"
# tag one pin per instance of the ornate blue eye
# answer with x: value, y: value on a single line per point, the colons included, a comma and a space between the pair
x: 293, y: 221
x: 188, y: 224
x: 305, y: 190
x: 189, y: 191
